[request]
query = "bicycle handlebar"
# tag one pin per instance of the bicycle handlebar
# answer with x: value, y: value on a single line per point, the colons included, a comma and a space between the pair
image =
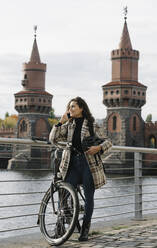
x: 34, y: 138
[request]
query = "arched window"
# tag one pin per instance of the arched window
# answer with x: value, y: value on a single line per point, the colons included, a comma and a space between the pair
x: 134, y: 92
x: 133, y: 142
x: 152, y: 142
x: 134, y: 123
x: 25, y: 76
x: 23, y: 126
x: 114, y: 122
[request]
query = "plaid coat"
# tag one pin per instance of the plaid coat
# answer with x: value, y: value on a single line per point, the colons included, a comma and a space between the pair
x: 65, y: 133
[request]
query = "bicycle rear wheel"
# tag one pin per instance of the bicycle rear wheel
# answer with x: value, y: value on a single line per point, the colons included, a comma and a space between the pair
x: 58, y: 214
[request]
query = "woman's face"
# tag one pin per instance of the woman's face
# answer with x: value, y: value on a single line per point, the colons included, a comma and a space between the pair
x: 74, y: 110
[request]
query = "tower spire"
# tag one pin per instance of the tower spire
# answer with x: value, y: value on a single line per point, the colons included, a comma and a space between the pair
x: 125, y: 41
x: 35, y: 57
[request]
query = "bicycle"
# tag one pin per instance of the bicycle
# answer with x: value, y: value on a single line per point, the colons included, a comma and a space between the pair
x: 59, y: 212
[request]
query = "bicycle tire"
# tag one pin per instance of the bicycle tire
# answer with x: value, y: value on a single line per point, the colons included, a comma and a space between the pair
x: 48, y: 229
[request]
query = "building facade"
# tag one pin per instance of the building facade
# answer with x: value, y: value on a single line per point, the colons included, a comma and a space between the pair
x: 124, y: 97
x: 33, y: 103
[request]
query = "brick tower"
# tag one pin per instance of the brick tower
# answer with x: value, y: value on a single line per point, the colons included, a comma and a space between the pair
x: 33, y: 103
x: 124, y: 96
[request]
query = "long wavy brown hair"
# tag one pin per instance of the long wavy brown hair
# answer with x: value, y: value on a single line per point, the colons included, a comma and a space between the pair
x: 82, y: 104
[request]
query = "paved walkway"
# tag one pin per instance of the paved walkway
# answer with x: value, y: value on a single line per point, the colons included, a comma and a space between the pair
x: 133, y: 234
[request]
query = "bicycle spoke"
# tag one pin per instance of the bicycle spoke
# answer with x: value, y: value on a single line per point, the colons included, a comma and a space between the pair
x: 58, y: 217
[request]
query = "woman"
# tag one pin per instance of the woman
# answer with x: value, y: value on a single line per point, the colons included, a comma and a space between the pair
x: 78, y: 167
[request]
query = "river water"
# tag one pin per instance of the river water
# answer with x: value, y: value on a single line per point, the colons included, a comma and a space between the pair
x: 116, y: 192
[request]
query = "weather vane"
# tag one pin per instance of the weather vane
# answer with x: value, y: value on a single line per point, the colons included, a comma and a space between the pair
x: 125, y: 12
x: 35, y: 30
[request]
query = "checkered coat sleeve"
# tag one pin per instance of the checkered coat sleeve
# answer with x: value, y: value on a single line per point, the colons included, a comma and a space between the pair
x: 65, y: 133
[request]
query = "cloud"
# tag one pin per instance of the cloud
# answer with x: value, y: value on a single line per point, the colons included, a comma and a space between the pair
x: 148, y: 76
x: 75, y: 74
x: 83, y: 74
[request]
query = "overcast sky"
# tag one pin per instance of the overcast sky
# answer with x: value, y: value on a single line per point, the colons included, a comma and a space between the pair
x: 75, y: 39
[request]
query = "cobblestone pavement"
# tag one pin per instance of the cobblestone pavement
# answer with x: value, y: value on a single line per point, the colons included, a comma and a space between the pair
x: 140, y: 237
x: 139, y: 234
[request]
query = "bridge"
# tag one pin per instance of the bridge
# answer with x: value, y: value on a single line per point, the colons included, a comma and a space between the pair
x: 124, y: 214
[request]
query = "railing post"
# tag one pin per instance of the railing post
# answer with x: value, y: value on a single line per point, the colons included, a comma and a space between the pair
x: 138, y: 185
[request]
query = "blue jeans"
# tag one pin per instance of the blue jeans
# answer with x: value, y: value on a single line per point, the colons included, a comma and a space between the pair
x: 79, y: 173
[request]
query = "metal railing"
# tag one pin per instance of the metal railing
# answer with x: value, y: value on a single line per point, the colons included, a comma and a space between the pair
x: 122, y: 196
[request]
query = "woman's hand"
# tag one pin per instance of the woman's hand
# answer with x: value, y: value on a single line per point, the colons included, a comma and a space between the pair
x: 64, y: 118
x: 93, y: 150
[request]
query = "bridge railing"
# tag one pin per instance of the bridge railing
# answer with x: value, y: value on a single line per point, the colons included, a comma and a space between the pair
x: 21, y: 191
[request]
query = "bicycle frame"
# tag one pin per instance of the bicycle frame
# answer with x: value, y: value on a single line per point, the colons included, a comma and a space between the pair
x: 54, y: 185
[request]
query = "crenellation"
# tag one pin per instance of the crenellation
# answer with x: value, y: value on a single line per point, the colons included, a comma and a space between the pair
x: 127, y: 52
x: 151, y: 125
x: 6, y: 130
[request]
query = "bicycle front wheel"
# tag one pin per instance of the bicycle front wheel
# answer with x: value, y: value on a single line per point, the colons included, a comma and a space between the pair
x: 58, y: 214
